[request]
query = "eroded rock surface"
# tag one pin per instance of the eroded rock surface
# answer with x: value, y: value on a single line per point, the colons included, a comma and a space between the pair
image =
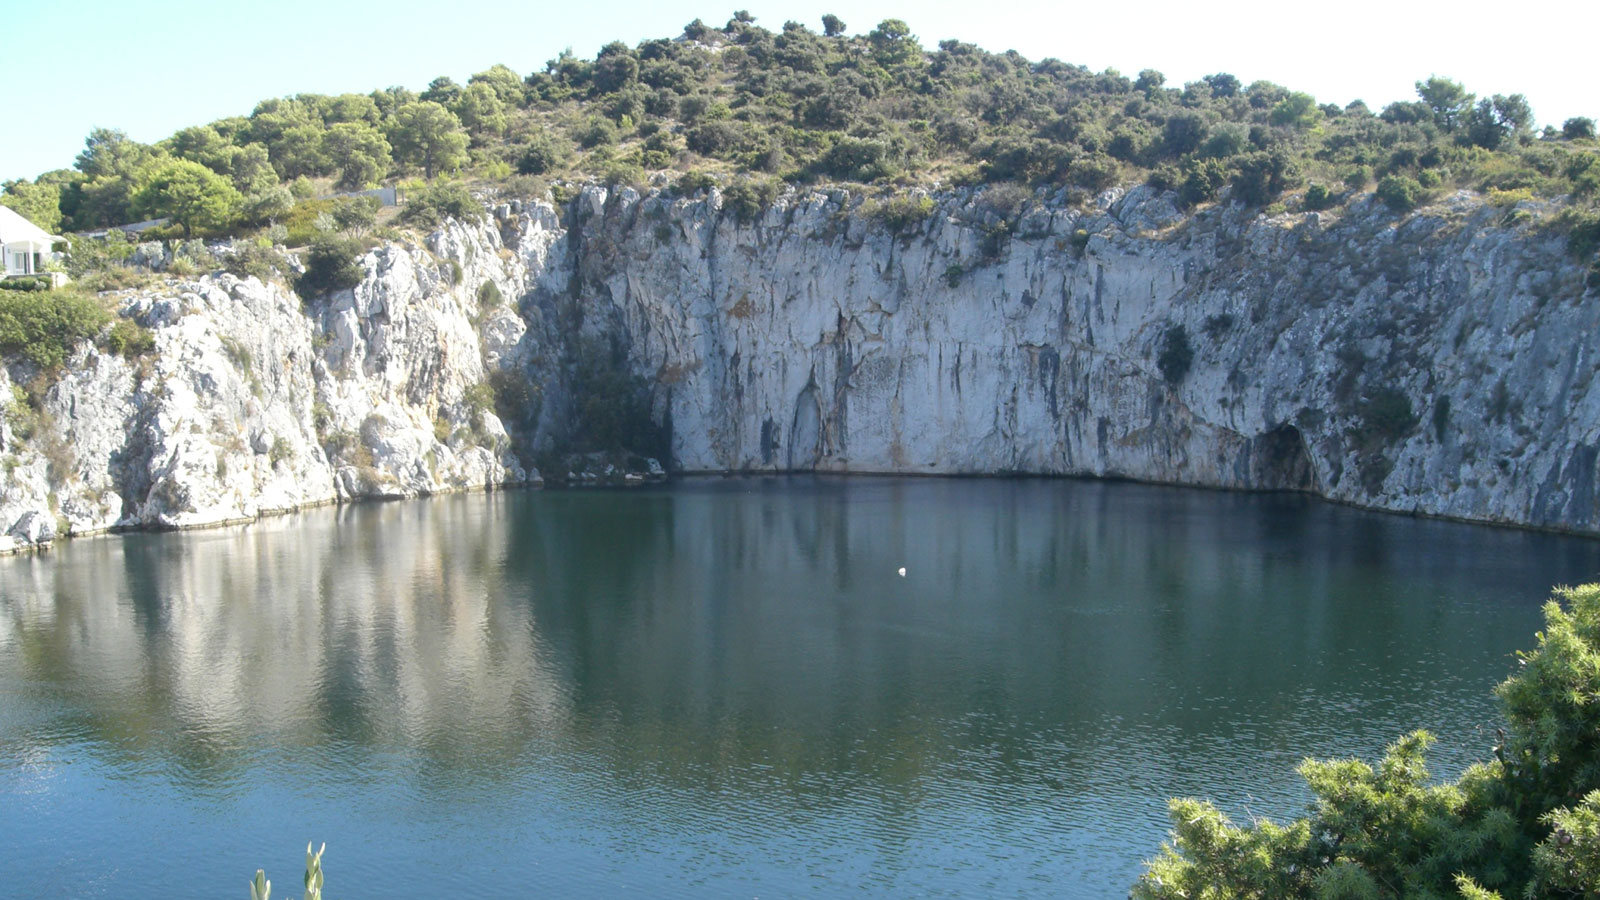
x: 1439, y: 363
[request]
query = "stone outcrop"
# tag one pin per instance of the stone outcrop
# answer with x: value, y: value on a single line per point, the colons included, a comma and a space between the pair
x: 1438, y: 363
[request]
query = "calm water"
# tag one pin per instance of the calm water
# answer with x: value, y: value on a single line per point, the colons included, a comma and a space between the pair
x: 723, y: 688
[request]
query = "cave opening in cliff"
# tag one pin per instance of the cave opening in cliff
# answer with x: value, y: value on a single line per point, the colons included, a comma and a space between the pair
x: 1281, y: 462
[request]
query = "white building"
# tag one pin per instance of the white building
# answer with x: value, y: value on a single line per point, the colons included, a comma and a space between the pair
x: 25, y: 248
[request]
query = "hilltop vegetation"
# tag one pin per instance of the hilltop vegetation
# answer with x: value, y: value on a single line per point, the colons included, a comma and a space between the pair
x: 757, y: 107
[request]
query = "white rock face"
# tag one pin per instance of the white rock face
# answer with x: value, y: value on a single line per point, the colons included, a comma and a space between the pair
x: 1441, y: 363
x: 255, y: 401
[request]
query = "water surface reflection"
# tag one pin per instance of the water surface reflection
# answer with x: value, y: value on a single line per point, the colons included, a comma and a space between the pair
x: 724, y: 687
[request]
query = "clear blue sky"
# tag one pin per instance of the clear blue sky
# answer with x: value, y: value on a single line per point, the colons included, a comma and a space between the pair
x: 153, y: 67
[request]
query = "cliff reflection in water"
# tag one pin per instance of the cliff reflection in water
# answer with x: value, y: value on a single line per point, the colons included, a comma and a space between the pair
x: 737, y: 664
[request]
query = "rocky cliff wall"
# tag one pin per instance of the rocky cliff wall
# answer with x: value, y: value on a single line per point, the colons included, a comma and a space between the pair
x: 1439, y: 363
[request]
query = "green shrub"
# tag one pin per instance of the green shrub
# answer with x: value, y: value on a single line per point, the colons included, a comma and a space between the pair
x: 691, y: 183
x: 611, y: 407
x: 1386, y: 416
x: 429, y: 205
x: 88, y: 256
x: 1400, y: 193
x: 280, y: 451
x: 596, y: 132
x: 43, y: 326
x: 1218, y: 325
x: 26, y: 283
x: 748, y: 197
x: 901, y: 214
x: 114, y: 278
x: 858, y: 159
x: 130, y: 339
x: 1526, y: 824
x: 1318, y: 197
x: 541, y: 156
x: 332, y: 264
x: 356, y: 215
x: 1176, y: 356
x: 252, y: 260
x: 1261, y: 177
x: 1583, y: 232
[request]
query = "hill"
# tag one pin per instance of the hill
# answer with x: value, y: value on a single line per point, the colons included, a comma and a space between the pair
x: 759, y: 108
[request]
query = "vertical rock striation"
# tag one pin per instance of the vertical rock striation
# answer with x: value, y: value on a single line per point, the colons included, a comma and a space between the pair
x: 1440, y: 363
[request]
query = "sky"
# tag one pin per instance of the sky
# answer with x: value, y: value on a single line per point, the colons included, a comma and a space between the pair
x: 154, y: 66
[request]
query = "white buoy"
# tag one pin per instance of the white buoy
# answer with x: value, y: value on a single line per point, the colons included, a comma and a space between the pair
x: 902, y: 571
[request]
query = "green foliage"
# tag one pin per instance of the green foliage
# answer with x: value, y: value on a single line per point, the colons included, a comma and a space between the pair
x: 254, y: 259
x: 543, y: 154
x: 610, y: 407
x: 1551, y: 755
x: 1296, y: 111
x: 26, y: 283
x: 43, y: 327
x: 1400, y: 193
x: 1525, y: 825
x: 356, y: 215
x: 1583, y: 232
x: 190, y: 194
x: 893, y: 44
x: 1386, y: 415
x: 802, y: 106
x: 129, y: 339
x: 1446, y: 100
x: 428, y: 136
x: 1203, y: 179
x: 1176, y: 356
x: 902, y: 213
x: 479, y: 400
x: 1578, y: 128
x: 1497, y: 119
x: 359, y: 153
x: 429, y: 205
x: 1567, y: 863
x: 1441, y: 417
x: 748, y: 197
x: 1318, y: 197
x: 38, y: 203
x: 1261, y: 177
x: 332, y: 264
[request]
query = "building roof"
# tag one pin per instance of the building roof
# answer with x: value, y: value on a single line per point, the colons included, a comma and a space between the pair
x: 15, y: 229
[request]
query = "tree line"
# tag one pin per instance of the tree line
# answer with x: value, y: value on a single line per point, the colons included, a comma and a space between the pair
x: 798, y: 106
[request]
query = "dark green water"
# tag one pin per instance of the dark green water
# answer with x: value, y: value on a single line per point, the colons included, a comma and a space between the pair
x: 723, y: 688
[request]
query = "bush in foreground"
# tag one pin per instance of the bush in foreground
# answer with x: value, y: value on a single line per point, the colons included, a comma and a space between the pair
x: 43, y: 326
x: 1526, y: 824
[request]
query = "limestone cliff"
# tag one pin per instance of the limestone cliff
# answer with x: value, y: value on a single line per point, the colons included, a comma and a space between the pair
x: 1439, y: 363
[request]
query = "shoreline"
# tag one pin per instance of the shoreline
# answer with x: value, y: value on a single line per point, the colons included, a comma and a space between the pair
x: 713, y: 474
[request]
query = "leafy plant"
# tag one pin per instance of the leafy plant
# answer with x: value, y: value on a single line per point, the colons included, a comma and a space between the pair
x: 43, y: 327
x: 1177, y: 354
x: 1526, y: 824
x: 331, y: 265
